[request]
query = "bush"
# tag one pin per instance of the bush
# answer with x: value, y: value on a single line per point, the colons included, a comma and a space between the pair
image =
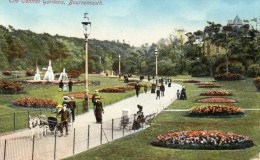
x: 199, y: 69
x: 253, y: 70
x: 7, y: 73
x: 227, y: 77
x: 73, y: 74
x: 257, y: 83
x: 30, y: 73
x: 233, y: 67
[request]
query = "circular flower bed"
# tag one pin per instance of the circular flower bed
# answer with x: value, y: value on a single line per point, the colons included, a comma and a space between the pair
x: 217, y: 100
x: 215, y: 93
x: 202, y: 139
x: 191, y: 81
x: 208, y: 85
x: 227, y: 77
x: 216, y: 110
x: 10, y: 87
x: 34, y: 103
x: 79, y: 95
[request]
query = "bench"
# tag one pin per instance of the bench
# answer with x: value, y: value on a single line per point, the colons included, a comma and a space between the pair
x: 149, y: 118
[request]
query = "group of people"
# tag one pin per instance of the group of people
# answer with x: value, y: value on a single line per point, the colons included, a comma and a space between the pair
x: 63, y: 87
x: 182, y: 95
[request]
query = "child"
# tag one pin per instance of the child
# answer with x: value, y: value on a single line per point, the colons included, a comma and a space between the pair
x: 178, y: 94
x: 158, y: 93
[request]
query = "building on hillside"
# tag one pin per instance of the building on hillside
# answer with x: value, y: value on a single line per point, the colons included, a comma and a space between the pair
x: 238, y: 23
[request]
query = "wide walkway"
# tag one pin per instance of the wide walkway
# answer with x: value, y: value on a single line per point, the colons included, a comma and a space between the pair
x: 84, y: 133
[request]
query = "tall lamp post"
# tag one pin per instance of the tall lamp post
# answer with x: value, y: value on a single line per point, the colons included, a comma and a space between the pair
x: 156, y: 55
x: 86, y: 29
x: 119, y: 67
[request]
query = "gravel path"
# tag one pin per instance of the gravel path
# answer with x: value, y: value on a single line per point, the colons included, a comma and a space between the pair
x: 19, y: 145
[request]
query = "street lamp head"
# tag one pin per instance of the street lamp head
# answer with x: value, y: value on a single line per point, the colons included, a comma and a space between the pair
x: 86, y: 25
x: 119, y: 56
x: 156, y: 51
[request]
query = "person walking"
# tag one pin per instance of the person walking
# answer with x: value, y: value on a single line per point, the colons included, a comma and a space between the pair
x: 98, y: 110
x: 73, y: 105
x: 70, y: 85
x: 137, y: 88
x: 178, y: 94
x: 140, y: 118
x: 162, y: 89
x: 158, y: 93
x: 61, y: 85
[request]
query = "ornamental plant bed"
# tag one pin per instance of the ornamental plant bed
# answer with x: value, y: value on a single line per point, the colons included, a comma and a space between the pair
x: 227, y: 77
x: 79, y: 95
x: 217, y: 100
x: 215, y: 93
x: 209, y: 85
x: 112, y: 90
x: 10, y: 87
x: 191, y: 81
x: 34, y: 103
x: 202, y: 139
x: 216, y: 111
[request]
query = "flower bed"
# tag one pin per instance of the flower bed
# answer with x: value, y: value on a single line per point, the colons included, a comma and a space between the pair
x: 7, y: 73
x: 208, y: 85
x: 216, y: 110
x: 79, y: 95
x: 34, y: 103
x: 112, y: 90
x: 227, y: 77
x: 10, y: 87
x: 215, y: 93
x: 202, y: 139
x: 217, y: 100
x: 191, y: 81
x: 30, y: 73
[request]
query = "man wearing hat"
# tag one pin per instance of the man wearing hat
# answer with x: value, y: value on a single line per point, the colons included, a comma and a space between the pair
x: 63, y: 114
x: 72, y: 105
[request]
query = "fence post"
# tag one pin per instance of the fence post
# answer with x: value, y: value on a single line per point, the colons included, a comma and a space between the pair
x: 14, y: 122
x: 101, y: 133
x: 74, y: 134
x: 55, y: 140
x: 33, y: 147
x: 28, y: 119
x: 112, y: 129
x: 88, y: 136
x: 5, y: 150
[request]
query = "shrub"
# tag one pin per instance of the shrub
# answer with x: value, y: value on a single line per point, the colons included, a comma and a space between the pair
x: 202, y: 139
x: 233, y: 67
x: 7, y: 73
x: 73, y: 74
x: 10, y: 87
x: 30, y: 73
x: 257, y: 83
x: 253, y: 70
x: 227, y: 77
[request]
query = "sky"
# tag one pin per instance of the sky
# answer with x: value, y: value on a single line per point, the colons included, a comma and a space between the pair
x: 135, y: 21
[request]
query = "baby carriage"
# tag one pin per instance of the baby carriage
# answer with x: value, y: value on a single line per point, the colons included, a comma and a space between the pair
x: 53, y: 124
x: 125, y: 120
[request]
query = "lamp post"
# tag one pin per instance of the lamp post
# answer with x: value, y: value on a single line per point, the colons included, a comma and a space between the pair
x: 156, y: 55
x: 119, y: 67
x: 86, y: 29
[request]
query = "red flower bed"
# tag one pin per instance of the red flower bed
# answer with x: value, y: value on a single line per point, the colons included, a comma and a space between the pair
x: 10, y: 87
x: 7, y: 73
x: 30, y: 73
x: 208, y: 85
x: 227, y: 77
x: 79, y: 95
x: 217, y: 100
x: 215, y: 93
x: 215, y: 110
x: 202, y: 139
x: 35, y: 103
x: 191, y: 81
x: 112, y: 90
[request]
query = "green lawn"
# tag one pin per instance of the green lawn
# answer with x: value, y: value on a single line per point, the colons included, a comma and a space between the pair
x: 137, y: 146
x: 8, y: 114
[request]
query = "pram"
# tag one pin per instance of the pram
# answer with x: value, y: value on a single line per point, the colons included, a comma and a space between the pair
x: 125, y: 120
x: 53, y: 124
